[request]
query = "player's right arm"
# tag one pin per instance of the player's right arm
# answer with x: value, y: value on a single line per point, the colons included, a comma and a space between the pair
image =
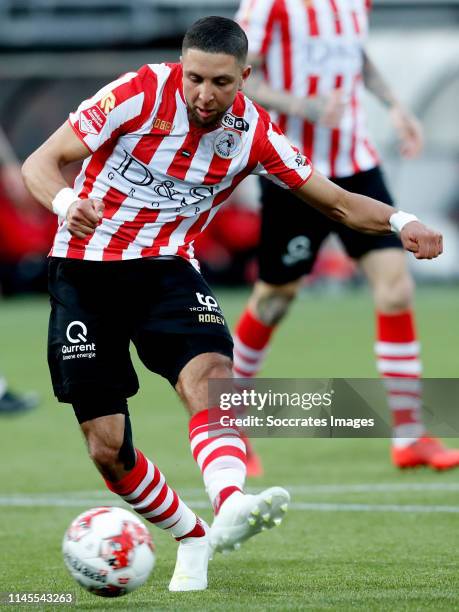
x: 42, y: 173
x: 287, y: 167
x: 370, y: 216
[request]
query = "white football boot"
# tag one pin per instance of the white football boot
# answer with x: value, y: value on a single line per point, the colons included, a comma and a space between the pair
x: 242, y: 516
x: 190, y: 573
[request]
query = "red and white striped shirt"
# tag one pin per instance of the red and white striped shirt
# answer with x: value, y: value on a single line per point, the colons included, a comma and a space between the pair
x: 312, y: 47
x: 161, y: 178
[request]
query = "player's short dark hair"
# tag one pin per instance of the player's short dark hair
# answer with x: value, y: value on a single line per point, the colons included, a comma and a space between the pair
x: 217, y: 35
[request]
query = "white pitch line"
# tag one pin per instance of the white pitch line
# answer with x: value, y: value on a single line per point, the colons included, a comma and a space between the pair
x: 75, y: 502
x: 389, y: 487
x: 325, y: 507
x: 375, y: 488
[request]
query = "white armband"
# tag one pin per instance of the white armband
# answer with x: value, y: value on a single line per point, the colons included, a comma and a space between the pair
x: 399, y: 219
x: 63, y: 200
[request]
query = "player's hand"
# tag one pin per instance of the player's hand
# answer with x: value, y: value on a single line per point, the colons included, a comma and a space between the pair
x: 409, y: 131
x: 423, y: 242
x: 84, y: 216
x: 333, y: 109
x: 324, y: 110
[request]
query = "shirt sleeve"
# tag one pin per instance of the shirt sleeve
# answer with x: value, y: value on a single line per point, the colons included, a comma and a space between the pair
x: 117, y: 108
x: 256, y: 18
x: 281, y: 162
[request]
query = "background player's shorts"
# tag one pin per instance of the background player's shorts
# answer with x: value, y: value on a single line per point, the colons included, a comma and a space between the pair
x: 164, y: 306
x: 292, y: 232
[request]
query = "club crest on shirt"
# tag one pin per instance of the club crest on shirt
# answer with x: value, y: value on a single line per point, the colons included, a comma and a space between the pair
x: 228, y: 144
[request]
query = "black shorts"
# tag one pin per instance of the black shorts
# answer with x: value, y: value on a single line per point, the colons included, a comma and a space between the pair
x: 164, y: 306
x: 293, y: 232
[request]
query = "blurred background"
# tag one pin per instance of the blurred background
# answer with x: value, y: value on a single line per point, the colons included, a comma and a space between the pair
x: 54, y: 53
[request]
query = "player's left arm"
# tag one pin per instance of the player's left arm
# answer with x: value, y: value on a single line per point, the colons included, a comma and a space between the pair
x: 408, y: 128
x: 370, y: 216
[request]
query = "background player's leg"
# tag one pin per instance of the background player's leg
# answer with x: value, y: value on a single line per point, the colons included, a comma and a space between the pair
x: 398, y: 360
x: 267, y: 306
x: 128, y: 473
x: 221, y: 456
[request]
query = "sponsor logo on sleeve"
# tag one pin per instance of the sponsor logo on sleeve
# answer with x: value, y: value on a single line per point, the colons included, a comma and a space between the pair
x: 92, y: 120
x: 108, y: 102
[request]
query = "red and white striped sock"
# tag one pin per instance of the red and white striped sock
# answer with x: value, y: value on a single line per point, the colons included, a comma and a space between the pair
x: 220, y: 454
x: 251, y: 338
x: 398, y: 361
x: 146, y: 489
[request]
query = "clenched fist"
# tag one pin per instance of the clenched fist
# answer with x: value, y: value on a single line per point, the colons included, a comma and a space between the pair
x: 423, y: 242
x: 84, y: 216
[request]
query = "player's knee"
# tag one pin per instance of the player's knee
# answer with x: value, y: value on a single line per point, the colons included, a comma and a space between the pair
x: 218, y: 366
x: 395, y: 294
x: 192, y: 385
x: 271, y: 307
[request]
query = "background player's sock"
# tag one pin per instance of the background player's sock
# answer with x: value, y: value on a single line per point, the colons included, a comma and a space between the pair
x: 220, y: 454
x: 251, y: 338
x: 145, y: 488
x: 397, y: 353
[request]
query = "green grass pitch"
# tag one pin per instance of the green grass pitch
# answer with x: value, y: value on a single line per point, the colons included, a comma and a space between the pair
x: 345, y: 544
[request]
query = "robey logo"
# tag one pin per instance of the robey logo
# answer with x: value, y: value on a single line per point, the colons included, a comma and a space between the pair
x: 209, y: 310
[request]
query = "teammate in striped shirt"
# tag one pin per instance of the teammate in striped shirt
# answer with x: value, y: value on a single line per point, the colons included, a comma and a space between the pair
x: 310, y: 70
x: 163, y: 148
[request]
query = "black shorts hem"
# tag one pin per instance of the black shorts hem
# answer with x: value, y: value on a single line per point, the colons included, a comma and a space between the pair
x: 200, y: 345
x: 73, y: 393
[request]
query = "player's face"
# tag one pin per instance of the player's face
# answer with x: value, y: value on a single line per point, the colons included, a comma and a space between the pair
x: 210, y: 84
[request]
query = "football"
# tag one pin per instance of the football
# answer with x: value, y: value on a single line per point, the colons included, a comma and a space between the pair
x: 109, y: 551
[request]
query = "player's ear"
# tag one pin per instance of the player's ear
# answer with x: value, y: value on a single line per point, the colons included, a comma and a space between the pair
x: 245, y: 75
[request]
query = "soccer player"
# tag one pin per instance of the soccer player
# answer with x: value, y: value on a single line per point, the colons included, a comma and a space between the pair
x: 163, y: 148
x: 310, y: 67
